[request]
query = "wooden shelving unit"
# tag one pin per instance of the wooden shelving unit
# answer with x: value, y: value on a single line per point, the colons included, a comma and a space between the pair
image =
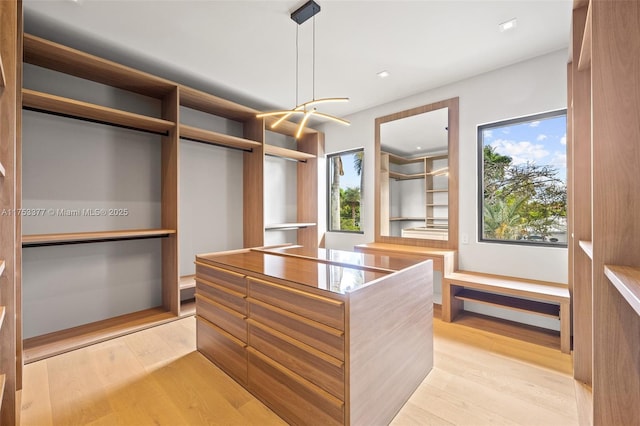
x: 602, y: 193
x: 44, y: 102
x: 284, y: 226
x: 290, y: 154
x: 406, y: 176
x: 406, y: 219
x: 92, y: 237
x: 2, y: 78
x: 215, y: 138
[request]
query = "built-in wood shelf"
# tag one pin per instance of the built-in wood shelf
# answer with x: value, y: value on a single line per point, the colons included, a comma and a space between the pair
x: 187, y: 308
x: 2, y: 170
x: 396, y: 159
x: 91, y: 237
x: 2, y: 265
x: 407, y: 219
x: 627, y: 280
x: 187, y: 281
x: 51, y: 344
x: 290, y: 154
x: 587, y: 247
x: 48, y: 54
x: 3, y: 310
x: 59, y: 105
x: 437, y: 205
x: 210, y: 104
x: 215, y: 138
x: 515, y: 303
x: 585, y: 52
x: 285, y: 226
x: 2, y: 77
x: 437, y: 190
x: 3, y: 379
x: 405, y: 176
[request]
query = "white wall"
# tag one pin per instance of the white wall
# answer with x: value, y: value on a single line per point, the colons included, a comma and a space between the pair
x: 525, y: 88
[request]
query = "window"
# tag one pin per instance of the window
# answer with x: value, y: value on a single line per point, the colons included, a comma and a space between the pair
x: 345, y: 177
x: 523, y: 180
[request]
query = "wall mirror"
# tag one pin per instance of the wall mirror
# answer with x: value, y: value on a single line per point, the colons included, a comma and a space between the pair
x: 417, y: 176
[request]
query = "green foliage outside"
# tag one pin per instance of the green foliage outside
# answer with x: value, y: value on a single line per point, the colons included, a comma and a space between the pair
x: 350, y: 209
x: 522, y: 202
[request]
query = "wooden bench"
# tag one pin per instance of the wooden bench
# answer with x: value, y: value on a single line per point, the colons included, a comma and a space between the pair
x: 444, y: 260
x: 538, y: 297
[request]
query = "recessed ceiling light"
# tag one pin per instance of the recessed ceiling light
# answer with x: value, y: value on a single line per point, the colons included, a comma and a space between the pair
x: 508, y: 25
x: 418, y: 147
x: 383, y: 74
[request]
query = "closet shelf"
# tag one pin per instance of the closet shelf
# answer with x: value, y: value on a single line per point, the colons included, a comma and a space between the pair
x: 3, y: 379
x: 396, y: 159
x: 437, y: 190
x: 211, y: 104
x: 587, y: 247
x: 584, y: 62
x: 187, y: 308
x: 287, y: 153
x: 405, y: 176
x: 92, y: 237
x: 53, y: 104
x: 285, y: 226
x: 2, y: 265
x: 48, y: 345
x: 2, y: 312
x: 626, y: 279
x: 187, y: 282
x: 409, y: 219
x: 48, y: 54
x: 437, y: 205
x: 215, y: 138
x: 2, y: 170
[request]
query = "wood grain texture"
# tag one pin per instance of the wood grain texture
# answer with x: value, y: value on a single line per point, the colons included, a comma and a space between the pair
x: 223, y: 317
x: 215, y: 105
x: 18, y: 196
x: 79, y: 109
x: 291, y: 154
x: 453, y: 162
x: 47, y: 54
x: 615, y: 107
x: 307, y: 187
x: 229, y: 298
x: 253, y: 186
x: 585, y: 49
x: 93, y: 236
x: 390, y: 354
x: 10, y: 121
x: 2, y: 77
x: 223, y: 349
x: 626, y: 280
x: 215, y: 138
x: 444, y: 260
x: 543, y: 290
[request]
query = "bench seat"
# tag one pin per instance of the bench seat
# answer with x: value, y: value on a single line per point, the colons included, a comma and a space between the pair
x: 538, y: 297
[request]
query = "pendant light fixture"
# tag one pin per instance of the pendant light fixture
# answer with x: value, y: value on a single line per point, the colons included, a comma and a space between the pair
x: 306, y: 109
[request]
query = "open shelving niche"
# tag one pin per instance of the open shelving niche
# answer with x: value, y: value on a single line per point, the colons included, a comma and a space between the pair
x: 176, y: 290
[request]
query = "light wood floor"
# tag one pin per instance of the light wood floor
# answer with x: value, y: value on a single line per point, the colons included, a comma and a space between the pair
x: 155, y: 377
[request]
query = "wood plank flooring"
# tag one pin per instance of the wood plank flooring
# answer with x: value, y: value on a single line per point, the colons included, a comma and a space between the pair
x: 156, y: 377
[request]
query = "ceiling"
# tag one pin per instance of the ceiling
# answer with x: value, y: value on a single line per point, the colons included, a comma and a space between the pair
x: 245, y: 50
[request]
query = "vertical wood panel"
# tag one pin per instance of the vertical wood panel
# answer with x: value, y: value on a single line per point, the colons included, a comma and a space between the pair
x: 170, y: 173
x: 308, y: 188
x: 615, y: 67
x: 253, y: 186
x: 18, y: 245
x: 10, y: 112
x: 581, y: 194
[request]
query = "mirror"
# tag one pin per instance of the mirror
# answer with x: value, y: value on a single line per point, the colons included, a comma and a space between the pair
x: 417, y: 175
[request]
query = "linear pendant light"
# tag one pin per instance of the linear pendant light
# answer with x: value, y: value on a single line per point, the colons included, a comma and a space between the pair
x: 306, y: 109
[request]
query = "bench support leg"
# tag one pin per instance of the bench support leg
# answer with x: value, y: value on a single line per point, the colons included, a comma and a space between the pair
x: 450, y: 305
x: 565, y: 327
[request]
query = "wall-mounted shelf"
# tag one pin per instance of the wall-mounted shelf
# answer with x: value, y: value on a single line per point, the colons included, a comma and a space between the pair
x: 92, y: 237
x: 3, y: 379
x: 59, y: 105
x: 408, y: 219
x: 2, y: 170
x: 3, y: 310
x: 627, y: 280
x: 48, y: 54
x: 2, y: 265
x: 405, y: 176
x: 215, y: 138
x: 437, y: 190
x: 587, y: 247
x: 287, y: 153
x: 187, y: 281
x: 285, y: 226
x: 211, y: 104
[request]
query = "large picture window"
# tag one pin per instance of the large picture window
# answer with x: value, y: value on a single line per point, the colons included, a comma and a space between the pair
x: 345, y: 177
x: 523, y: 180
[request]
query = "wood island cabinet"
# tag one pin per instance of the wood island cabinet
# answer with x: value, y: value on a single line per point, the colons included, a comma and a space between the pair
x: 320, y: 336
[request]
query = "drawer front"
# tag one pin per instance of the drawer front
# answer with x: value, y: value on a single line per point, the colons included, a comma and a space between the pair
x: 318, y: 308
x: 227, y: 319
x: 290, y: 396
x: 223, y: 350
x: 315, y: 366
x: 319, y: 336
x: 222, y: 295
x: 231, y: 280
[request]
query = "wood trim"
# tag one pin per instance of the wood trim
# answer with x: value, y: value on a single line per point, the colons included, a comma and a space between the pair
x: 627, y: 280
x: 51, y: 344
x: 47, y: 54
x: 38, y: 239
x: 253, y: 186
x: 215, y: 138
x: 291, y: 154
x: 453, y: 162
x: 585, y: 49
x: 84, y: 110
x: 311, y: 145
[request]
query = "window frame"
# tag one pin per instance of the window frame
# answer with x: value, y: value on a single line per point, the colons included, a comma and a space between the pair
x: 480, y: 177
x: 328, y: 158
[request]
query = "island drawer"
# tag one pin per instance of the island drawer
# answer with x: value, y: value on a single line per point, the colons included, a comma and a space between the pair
x: 318, y: 308
x: 227, y: 319
x: 224, y: 350
x: 228, y: 279
x: 223, y: 295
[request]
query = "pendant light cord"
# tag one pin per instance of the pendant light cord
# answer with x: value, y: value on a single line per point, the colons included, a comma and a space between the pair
x: 297, y: 62
x: 313, y: 75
